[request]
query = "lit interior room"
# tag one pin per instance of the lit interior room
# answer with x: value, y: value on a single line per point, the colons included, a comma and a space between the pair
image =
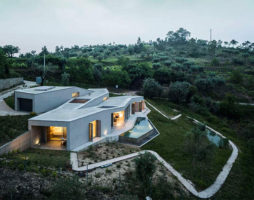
x: 118, y: 118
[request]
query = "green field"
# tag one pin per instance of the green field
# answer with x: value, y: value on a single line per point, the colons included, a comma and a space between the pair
x: 239, y: 183
x: 170, y: 145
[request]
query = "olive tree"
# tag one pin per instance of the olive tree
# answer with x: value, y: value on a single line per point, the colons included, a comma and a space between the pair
x: 144, y: 169
x: 179, y: 92
x: 151, y: 88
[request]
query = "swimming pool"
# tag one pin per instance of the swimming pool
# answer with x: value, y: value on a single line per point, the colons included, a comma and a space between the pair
x: 141, y: 127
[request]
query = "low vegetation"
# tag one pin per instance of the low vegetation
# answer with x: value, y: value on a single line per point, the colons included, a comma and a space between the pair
x: 242, y: 171
x: 202, y: 164
x: 12, y: 126
x: 10, y: 101
x: 104, y: 151
x: 40, y: 157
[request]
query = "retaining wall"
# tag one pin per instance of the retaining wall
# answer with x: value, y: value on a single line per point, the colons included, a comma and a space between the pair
x: 10, y: 82
x: 21, y: 143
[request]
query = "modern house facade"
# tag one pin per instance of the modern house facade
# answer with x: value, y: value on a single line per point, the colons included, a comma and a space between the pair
x: 86, y: 117
x: 45, y: 98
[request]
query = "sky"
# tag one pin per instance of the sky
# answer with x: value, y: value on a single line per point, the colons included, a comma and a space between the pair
x: 31, y: 24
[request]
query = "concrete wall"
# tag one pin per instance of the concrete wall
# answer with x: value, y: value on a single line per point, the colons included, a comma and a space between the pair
x: 46, y: 101
x: 79, y: 129
x: 49, y: 100
x: 10, y: 82
x: 21, y: 143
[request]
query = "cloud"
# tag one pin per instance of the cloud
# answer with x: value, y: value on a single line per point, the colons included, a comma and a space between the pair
x: 31, y: 24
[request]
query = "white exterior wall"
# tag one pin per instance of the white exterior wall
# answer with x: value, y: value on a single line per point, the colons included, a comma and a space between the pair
x: 79, y: 129
x: 49, y: 100
x: 36, y: 136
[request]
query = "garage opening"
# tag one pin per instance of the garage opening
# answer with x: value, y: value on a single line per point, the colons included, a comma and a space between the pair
x: 25, y: 104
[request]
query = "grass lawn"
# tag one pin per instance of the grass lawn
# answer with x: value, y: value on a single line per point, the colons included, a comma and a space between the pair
x: 10, y: 101
x: 170, y: 145
x: 12, y: 126
x: 42, y: 157
x: 164, y: 108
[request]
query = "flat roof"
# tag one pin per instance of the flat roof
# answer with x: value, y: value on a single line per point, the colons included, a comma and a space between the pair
x: 118, y: 101
x: 72, y: 111
x: 42, y: 89
x: 66, y: 114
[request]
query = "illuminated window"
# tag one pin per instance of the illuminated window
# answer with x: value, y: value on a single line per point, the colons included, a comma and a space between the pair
x: 57, y: 133
x: 75, y: 94
x: 118, y: 118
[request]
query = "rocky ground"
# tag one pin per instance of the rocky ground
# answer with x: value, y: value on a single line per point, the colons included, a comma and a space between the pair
x: 104, y: 151
x: 15, y: 184
x: 101, y: 183
x: 115, y: 174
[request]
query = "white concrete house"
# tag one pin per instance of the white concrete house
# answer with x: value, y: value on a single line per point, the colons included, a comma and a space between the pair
x: 75, y: 118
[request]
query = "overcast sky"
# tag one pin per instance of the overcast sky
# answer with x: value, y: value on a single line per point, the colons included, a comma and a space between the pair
x: 31, y: 24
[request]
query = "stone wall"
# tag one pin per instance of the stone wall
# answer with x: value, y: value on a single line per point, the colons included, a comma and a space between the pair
x: 10, y: 82
x: 20, y: 143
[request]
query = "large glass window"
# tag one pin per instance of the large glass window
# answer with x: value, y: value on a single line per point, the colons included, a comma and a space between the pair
x: 57, y: 133
x: 118, y: 118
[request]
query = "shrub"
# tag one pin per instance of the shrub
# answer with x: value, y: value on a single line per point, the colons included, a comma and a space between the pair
x: 215, y: 62
x: 236, y: 77
x: 229, y: 108
x: 163, y: 75
x: 198, y: 145
x: 238, y: 61
x: 179, y: 92
x: 68, y: 188
x: 251, y: 145
x: 151, y: 88
x: 65, y: 77
x: 168, y: 63
x: 144, y: 169
x: 156, y: 66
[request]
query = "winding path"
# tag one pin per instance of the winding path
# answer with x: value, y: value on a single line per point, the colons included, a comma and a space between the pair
x: 207, y: 193
x: 4, y: 108
x: 172, y: 118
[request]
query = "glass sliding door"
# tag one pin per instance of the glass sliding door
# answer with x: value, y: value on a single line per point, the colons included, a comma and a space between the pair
x: 94, y: 129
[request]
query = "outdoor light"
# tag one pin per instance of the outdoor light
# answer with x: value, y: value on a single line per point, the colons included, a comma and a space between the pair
x: 105, y: 132
x: 37, y: 141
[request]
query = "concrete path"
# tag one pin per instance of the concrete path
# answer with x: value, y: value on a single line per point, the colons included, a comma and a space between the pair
x: 207, y: 193
x: 247, y: 104
x: 4, y: 108
x: 171, y: 118
x: 9, y: 92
